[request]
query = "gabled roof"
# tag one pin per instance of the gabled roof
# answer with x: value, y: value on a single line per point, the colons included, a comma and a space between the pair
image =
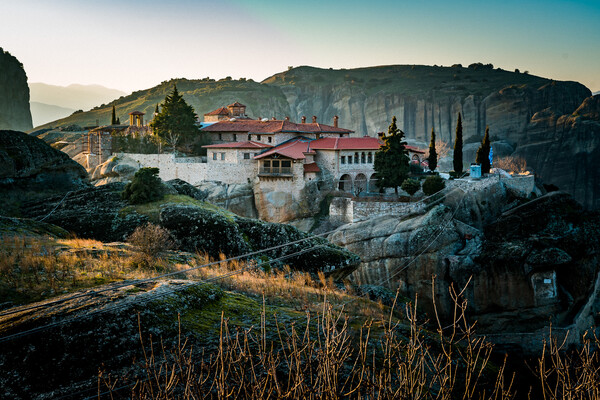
x: 236, y: 104
x: 239, y: 145
x: 294, y: 148
x: 347, y: 143
x: 137, y: 113
x: 219, y: 111
x: 272, y: 126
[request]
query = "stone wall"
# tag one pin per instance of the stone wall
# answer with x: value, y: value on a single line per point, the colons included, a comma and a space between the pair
x: 346, y: 210
x: 192, y: 170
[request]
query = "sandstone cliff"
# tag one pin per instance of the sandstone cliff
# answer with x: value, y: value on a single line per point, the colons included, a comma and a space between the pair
x: 14, y: 94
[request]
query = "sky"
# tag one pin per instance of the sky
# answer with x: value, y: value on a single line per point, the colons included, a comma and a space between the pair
x: 136, y: 44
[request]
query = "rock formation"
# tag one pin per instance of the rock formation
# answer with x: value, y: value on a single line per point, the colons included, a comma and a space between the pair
x: 519, y: 266
x: 14, y: 94
x: 31, y: 169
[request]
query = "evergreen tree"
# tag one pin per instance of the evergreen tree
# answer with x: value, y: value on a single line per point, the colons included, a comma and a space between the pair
x: 113, y: 119
x: 432, y: 159
x: 176, y: 122
x: 391, y: 161
x: 411, y: 186
x: 483, y: 153
x: 458, y: 148
x: 145, y: 187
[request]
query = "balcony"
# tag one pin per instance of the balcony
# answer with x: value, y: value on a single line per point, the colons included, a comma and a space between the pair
x: 276, y: 172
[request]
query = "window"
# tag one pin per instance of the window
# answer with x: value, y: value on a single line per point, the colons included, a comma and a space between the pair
x: 362, y: 158
x: 220, y: 136
x: 370, y: 158
x: 249, y: 137
x: 276, y: 167
x: 222, y: 156
x: 343, y: 160
x: 234, y: 137
x: 258, y: 137
x: 355, y: 158
x: 246, y: 156
x: 269, y: 139
x: 349, y: 159
x: 214, y: 156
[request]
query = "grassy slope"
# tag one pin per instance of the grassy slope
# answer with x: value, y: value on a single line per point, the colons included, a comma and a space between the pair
x: 266, y: 99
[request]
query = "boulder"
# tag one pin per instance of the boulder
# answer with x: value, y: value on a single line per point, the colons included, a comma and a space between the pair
x: 31, y: 169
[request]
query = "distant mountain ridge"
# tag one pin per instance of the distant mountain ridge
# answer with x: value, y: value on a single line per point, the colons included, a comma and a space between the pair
x: 42, y: 113
x: 539, y: 118
x: 74, y: 97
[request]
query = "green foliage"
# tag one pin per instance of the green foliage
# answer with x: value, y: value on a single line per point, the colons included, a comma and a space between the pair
x: 175, y: 124
x: 458, y: 147
x: 113, y: 118
x: 145, y: 187
x: 433, y: 184
x: 411, y: 186
x: 391, y: 161
x: 483, y: 153
x: 432, y: 159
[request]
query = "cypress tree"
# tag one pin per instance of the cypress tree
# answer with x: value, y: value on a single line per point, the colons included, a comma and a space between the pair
x: 432, y: 159
x: 483, y: 153
x: 392, y: 164
x: 458, y: 147
x: 113, y: 120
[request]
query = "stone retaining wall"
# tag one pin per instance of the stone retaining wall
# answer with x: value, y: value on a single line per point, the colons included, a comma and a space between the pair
x: 345, y: 210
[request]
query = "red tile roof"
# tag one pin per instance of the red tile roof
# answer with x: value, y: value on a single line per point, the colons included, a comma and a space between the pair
x: 346, y: 143
x: 415, y: 149
x: 219, y: 111
x: 236, y: 104
x: 294, y: 149
x: 272, y: 126
x: 311, y: 167
x: 239, y: 145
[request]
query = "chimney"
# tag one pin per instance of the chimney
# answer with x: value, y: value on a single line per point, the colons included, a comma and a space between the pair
x: 314, y: 119
x: 273, y: 118
x: 335, y: 121
x: 287, y: 118
x: 303, y: 119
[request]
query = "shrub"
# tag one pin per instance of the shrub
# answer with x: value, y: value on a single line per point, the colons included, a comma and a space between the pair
x: 416, y: 169
x: 411, y: 186
x: 144, y: 187
x: 433, y: 184
x: 151, y: 240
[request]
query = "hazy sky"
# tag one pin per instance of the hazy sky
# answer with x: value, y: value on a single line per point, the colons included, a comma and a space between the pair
x: 135, y: 44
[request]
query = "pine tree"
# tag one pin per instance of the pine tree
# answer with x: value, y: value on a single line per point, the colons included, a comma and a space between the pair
x: 432, y: 158
x: 391, y: 161
x: 176, y: 122
x: 483, y: 153
x: 458, y: 147
x: 113, y: 119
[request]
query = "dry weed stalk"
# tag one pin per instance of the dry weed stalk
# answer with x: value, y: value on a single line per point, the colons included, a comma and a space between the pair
x: 325, y: 359
x: 570, y: 374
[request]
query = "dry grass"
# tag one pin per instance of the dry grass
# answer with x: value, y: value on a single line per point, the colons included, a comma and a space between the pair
x: 326, y: 359
x: 35, y: 268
